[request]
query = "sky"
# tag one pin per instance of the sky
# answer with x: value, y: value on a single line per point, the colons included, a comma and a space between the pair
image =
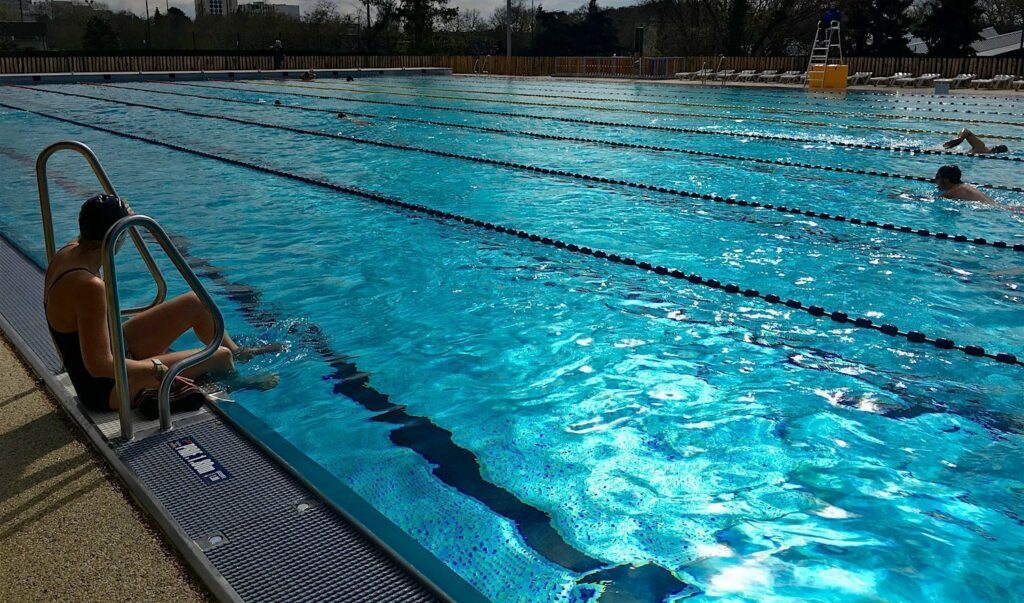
x: 486, y: 7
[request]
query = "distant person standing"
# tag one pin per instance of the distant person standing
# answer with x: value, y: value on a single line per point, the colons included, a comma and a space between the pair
x: 278, y: 50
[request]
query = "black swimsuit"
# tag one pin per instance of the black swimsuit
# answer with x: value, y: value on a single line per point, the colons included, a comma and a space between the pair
x: 94, y: 392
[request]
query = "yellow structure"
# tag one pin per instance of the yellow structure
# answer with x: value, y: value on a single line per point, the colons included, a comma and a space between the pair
x: 827, y: 77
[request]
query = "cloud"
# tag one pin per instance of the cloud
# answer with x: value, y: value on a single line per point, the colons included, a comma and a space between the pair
x: 486, y: 7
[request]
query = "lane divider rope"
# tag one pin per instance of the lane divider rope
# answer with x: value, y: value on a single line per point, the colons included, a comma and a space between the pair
x: 690, y: 86
x: 594, y: 141
x: 751, y: 93
x: 912, y: 336
x: 922, y: 232
x: 775, y: 120
x: 614, y: 124
x: 681, y: 103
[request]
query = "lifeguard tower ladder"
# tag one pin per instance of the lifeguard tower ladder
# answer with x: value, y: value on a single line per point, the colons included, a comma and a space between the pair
x: 826, y: 69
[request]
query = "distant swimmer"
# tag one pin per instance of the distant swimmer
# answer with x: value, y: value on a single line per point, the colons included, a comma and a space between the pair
x: 358, y: 122
x: 350, y: 79
x: 309, y: 75
x: 277, y: 103
x: 950, y: 183
x: 977, y: 146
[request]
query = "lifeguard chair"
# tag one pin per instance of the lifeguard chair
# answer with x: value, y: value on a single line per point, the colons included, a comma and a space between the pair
x: 826, y: 69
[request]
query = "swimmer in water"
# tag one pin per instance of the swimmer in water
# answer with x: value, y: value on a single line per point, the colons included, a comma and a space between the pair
x: 309, y: 76
x: 277, y: 103
x: 358, y: 122
x: 951, y: 186
x: 977, y: 146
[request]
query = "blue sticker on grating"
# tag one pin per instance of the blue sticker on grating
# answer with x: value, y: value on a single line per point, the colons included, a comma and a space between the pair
x: 199, y: 461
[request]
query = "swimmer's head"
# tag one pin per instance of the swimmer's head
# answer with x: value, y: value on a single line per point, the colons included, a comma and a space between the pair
x: 342, y: 116
x: 350, y: 79
x: 1000, y: 148
x: 277, y: 103
x: 98, y: 215
x: 948, y: 176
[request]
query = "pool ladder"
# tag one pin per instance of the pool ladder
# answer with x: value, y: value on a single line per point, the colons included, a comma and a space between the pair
x: 130, y: 224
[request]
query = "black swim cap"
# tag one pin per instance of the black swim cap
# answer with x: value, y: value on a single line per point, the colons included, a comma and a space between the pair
x: 1000, y: 148
x: 98, y: 214
x: 951, y: 173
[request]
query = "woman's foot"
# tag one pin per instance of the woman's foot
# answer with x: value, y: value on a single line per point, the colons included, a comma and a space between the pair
x: 245, y: 354
x: 261, y: 382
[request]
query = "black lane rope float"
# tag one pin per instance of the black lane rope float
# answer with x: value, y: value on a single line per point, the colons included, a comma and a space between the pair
x: 538, y: 135
x: 912, y: 336
x: 922, y: 232
x: 680, y: 103
x: 747, y: 92
x: 774, y: 120
x: 690, y: 86
x: 614, y: 124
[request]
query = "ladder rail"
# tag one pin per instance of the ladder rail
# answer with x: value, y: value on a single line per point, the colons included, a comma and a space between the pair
x: 117, y: 342
x: 101, y: 175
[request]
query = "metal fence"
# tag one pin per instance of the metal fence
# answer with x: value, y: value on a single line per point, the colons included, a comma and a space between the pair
x: 617, y: 67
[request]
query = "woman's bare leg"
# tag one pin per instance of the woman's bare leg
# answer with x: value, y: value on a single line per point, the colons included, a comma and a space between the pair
x: 142, y: 374
x: 152, y: 332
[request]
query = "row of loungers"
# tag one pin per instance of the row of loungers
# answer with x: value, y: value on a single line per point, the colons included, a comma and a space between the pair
x: 963, y: 80
x: 900, y: 79
x: 747, y: 75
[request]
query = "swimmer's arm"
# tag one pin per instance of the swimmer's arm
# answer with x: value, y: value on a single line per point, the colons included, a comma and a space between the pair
x: 949, y: 144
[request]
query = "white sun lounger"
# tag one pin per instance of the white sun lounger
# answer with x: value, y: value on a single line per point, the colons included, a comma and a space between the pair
x: 919, y: 81
x: 888, y: 80
x: 861, y: 77
x: 962, y: 80
x: 696, y: 75
x: 791, y: 77
x: 768, y: 75
x: 994, y: 83
x: 725, y: 74
x: 746, y: 75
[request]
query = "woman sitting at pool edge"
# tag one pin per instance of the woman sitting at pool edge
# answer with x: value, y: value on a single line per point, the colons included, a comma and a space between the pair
x: 75, y: 304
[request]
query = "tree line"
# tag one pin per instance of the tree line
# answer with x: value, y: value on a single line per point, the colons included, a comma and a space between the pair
x: 674, y: 28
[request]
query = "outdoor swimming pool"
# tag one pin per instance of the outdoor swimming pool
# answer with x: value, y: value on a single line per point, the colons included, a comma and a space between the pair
x: 558, y: 426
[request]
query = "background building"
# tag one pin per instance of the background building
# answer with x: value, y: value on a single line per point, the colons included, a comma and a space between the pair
x: 23, y: 36
x: 265, y: 8
x: 216, y: 7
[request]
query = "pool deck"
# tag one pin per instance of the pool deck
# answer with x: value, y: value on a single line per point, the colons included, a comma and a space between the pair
x: 69, y: 531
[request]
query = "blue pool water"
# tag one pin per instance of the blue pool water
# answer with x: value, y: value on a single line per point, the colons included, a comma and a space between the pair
x: 557, y: 427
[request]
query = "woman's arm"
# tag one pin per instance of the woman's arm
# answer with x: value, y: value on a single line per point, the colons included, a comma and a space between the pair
x: 94, y: 338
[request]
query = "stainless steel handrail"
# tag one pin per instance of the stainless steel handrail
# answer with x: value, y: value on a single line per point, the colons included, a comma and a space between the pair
x: 108, y: 187
x: 117, y: 332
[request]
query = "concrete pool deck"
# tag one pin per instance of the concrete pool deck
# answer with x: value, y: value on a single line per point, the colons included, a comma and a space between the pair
x: 68, y: 531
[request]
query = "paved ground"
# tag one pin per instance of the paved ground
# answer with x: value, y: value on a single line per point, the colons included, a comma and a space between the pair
x: 67, y: 529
